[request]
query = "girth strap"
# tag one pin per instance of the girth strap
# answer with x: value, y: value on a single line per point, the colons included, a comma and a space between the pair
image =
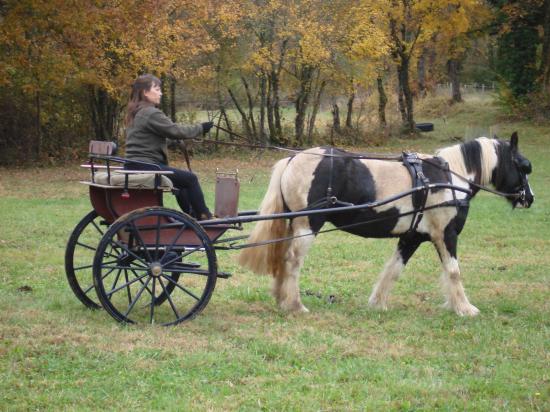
x: 414, y: 166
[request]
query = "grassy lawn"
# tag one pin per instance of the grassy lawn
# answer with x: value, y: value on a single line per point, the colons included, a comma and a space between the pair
x: 242, y: 353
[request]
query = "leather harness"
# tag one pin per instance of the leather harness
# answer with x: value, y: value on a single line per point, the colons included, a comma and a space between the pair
x: 414, y: 165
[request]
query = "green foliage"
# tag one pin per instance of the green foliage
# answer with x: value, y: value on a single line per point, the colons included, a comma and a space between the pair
x: 522, y: 38
x: 517, y: 55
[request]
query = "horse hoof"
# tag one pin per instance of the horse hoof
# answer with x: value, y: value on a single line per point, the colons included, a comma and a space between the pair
x: 466, y: 310
x: 376, y: 304
x: 294, y: 307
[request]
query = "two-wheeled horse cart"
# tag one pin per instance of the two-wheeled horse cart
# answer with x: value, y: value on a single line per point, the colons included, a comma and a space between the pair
x: 143, y: 262
x: 130, y: 254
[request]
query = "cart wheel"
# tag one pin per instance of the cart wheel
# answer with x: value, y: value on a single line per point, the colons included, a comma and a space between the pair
x: 161, y: 255
x: 79, y: 257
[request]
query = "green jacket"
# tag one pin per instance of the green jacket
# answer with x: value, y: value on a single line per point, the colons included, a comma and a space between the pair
x: 146, y: 138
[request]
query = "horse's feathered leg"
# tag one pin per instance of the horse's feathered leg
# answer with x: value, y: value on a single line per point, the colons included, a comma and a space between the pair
x: 286, y: 288
x: 452, y: 285
x: 405, y: 249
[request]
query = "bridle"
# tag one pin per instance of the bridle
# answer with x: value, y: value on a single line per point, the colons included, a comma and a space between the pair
x: 521, y: 194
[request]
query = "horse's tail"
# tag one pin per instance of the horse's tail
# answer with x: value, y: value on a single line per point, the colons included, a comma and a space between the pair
x: 269, y: 258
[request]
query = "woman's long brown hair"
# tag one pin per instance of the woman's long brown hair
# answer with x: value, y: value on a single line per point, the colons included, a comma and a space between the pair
x: 137, y: 99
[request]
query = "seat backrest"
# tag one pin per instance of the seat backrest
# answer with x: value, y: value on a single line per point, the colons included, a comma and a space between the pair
x: 227, y: 195
x: 98, y: 147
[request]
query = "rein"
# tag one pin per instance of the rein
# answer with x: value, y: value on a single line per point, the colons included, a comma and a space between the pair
x: 296, y: 150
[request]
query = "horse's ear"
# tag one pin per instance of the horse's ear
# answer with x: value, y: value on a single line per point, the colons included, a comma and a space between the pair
x: 514, y: 141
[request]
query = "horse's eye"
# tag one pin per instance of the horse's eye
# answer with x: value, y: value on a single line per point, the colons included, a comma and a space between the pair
x: 523, y: 165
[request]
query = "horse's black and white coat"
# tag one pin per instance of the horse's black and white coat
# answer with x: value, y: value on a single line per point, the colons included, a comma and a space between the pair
x: 304, y: 179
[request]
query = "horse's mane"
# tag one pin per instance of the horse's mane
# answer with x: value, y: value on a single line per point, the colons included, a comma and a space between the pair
x: 475, y: 159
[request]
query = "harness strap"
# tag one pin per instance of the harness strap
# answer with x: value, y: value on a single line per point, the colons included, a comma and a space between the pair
x: 329, y: 188
x: 414, y: 165
x: 445, y: 167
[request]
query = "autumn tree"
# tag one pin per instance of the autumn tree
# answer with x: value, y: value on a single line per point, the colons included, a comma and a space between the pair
x: 32, y: 69
x: 524, y: 44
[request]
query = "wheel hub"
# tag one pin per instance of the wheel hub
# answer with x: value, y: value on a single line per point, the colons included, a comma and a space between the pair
x: 156, y: 269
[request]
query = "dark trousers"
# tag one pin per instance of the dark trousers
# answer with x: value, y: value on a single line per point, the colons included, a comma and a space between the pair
x: 189, y: 194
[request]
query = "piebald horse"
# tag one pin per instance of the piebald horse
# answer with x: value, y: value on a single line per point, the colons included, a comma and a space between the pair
x: 304, y: 180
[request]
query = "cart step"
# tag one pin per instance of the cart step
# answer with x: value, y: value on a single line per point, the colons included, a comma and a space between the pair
x: 224, y: 275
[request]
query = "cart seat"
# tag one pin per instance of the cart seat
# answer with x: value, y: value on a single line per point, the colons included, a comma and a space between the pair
x: 135, y: 180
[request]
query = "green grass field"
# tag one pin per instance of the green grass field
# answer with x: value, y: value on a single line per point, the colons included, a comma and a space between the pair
x: 242, y: 353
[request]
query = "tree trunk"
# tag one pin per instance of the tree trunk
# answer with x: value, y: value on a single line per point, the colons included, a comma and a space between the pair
x: 164, y: 99
x: 223, y: 113
x: 404, y: 41
x: 243, y: 115
x: 263, y: 99
x: 421, y: 69
x: 104, y: 111
x: 38, y: 125
x: 273, y: 108
x: 276, y: 83
x: 250, y: 108
x: 401, y: 101
x: 336, y: 118
x: 269, y: 109
x: 349, y: 114
x: 173, y: 99
x: 314, y: 111
x: 403, y: 70
x: 302, y: 102
x: 382, y: 101
x: 276, y: 107
x: 453, y: 68
x: 545, y: 56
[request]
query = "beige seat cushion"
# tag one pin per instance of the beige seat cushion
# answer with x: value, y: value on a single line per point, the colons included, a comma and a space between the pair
x: 135, y: 181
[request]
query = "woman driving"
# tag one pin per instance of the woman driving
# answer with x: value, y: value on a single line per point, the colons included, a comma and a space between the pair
x: 147, y: 131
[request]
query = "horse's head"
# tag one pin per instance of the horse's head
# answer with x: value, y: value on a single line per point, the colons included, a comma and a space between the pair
x: 511, y: 174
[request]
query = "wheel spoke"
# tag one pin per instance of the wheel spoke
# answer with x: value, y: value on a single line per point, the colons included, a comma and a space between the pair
x: 97, y: 228
x: 126, y: 267
x: 157, y: 240
x: 181, y: 287
x: 102, y: 278
x: 91, y: 266
x: 176, y: 238
x: 153, y: 302
x: 128, y: 291
x: 180, y: 256
x: 127, y: 249
x: 132, y: 304
x: 137, y: 236
x: 192, y: 271
x: 170, y: 301
x: 85, y: 246
x: 83, y: 267
x: 116, y: 279
x: 128, y: 283
x: 140, y: 281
